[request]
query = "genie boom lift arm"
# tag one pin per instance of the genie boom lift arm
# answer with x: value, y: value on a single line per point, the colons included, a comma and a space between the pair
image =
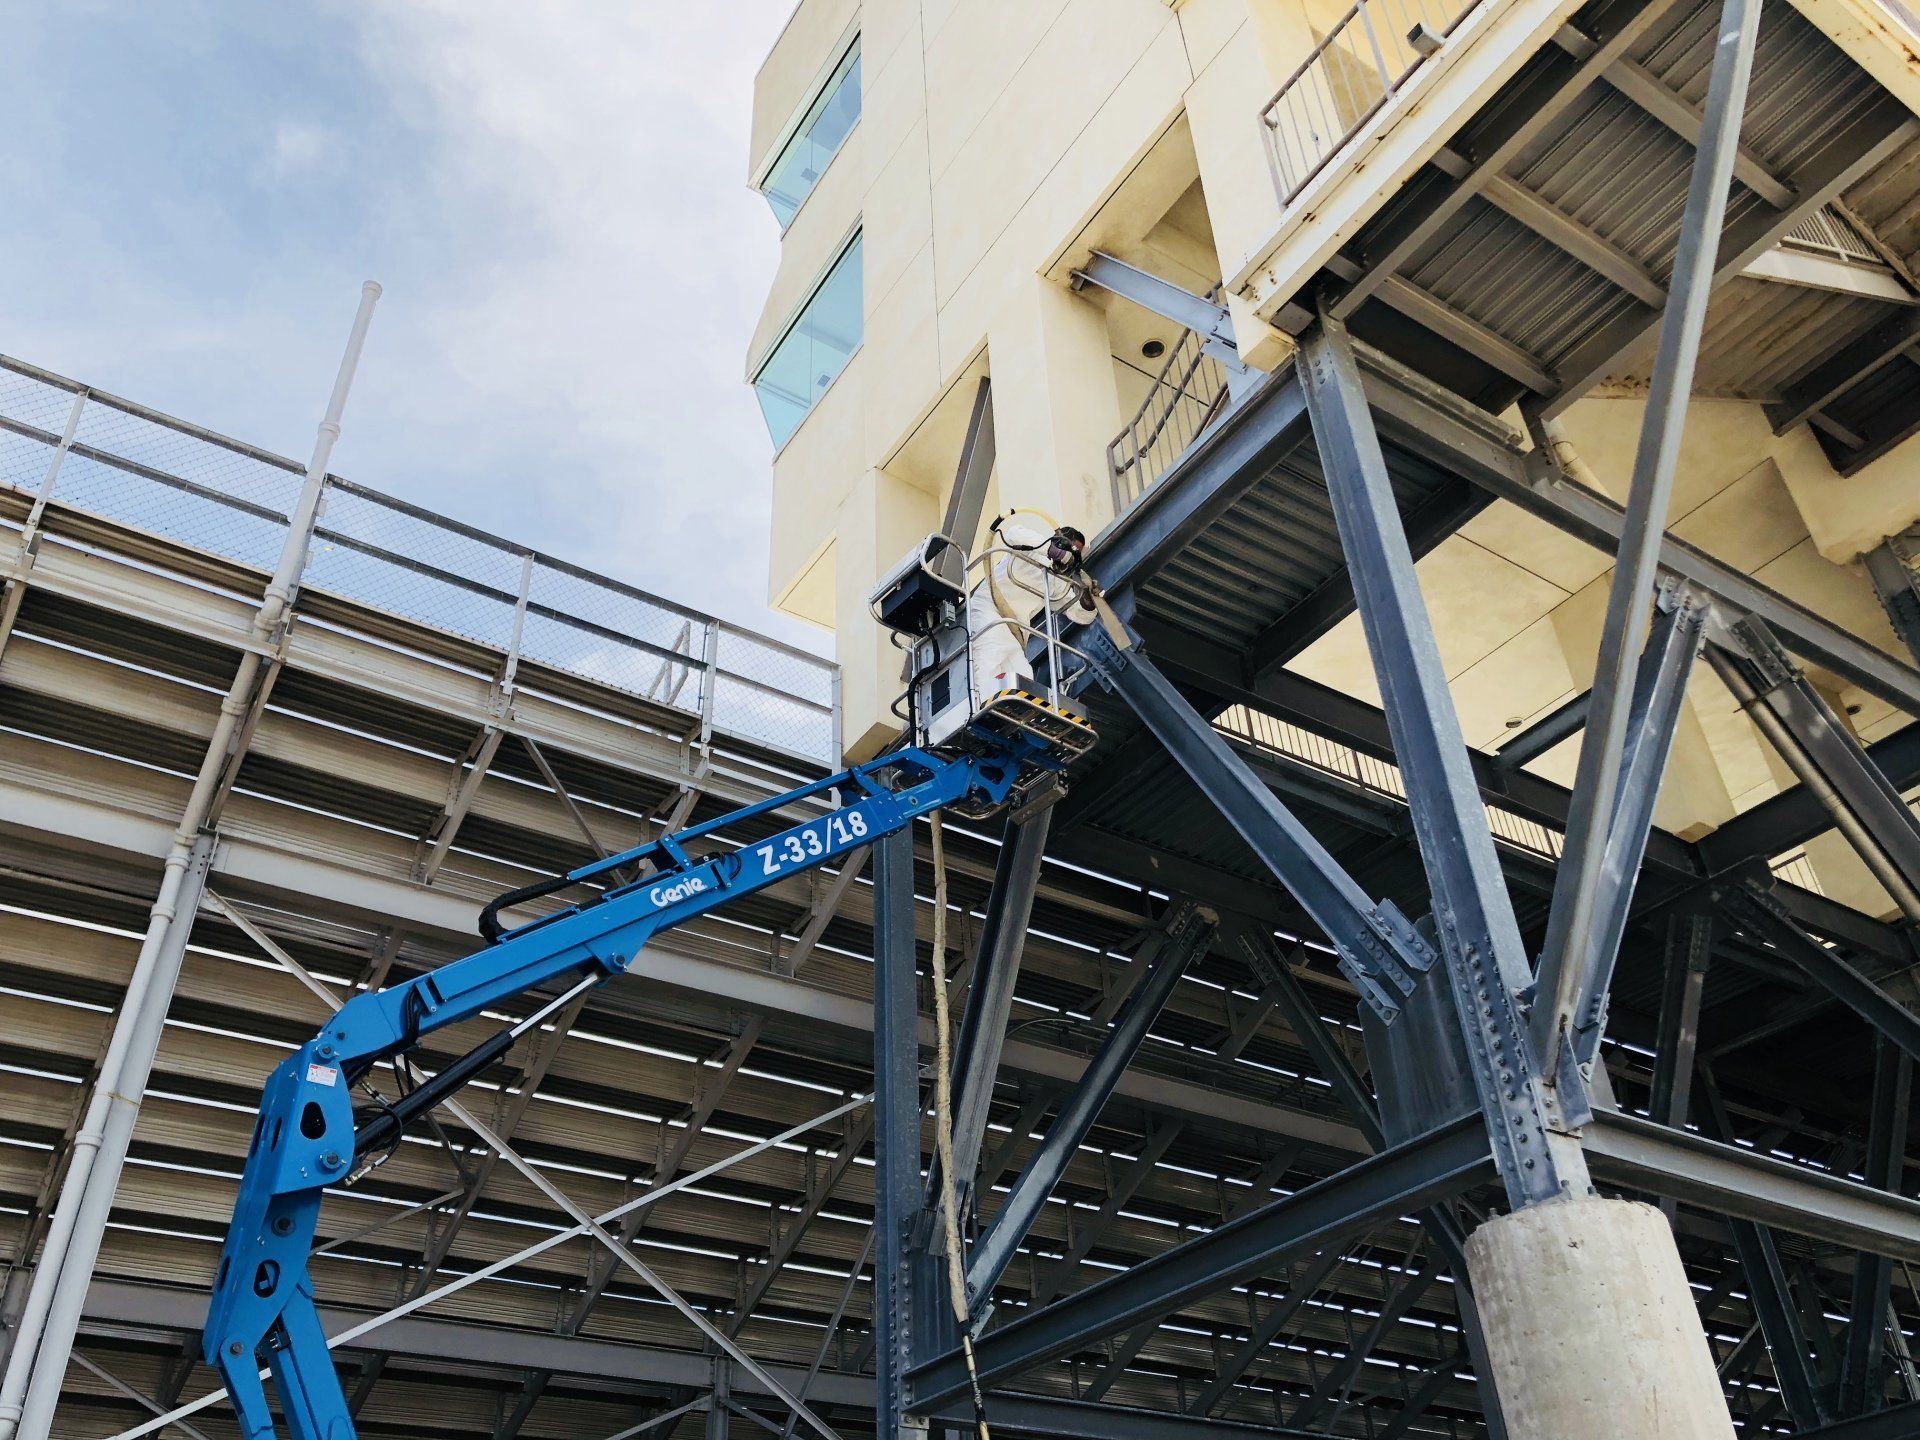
x: 309, y: 1138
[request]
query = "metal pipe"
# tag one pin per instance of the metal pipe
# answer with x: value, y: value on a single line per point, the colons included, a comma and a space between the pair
x: 1568, y: 956
x: 42, y: 1343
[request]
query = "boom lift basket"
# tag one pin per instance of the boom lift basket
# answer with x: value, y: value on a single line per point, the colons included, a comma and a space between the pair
x: 969, y: 664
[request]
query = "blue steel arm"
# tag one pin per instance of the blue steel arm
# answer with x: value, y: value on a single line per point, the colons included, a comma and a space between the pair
x: 305, y: 1139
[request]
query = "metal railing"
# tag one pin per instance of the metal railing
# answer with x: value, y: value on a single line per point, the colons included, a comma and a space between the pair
x: 1364, y: 61
x: 61, y: 441
x: 1187, y: 394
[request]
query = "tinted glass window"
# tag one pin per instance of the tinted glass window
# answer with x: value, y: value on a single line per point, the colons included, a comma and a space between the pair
x: 814, y: 351
x: 820, y: 136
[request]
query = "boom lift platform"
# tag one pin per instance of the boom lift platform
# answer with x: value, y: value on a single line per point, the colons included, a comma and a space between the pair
x: 963, y: 751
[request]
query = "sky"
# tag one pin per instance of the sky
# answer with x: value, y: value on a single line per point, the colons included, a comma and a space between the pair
x: 554, y: 196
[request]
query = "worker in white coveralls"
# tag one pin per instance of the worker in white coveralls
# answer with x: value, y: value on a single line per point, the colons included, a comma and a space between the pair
x: 1034, y: 563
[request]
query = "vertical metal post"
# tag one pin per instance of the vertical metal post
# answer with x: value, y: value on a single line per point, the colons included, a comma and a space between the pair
x: 983, y: 1025
x: 1862, y: 1367
x: 896, y: 1107
x: 1485, y: 957
x: 136, y: 1038
x: 1770, y: 1293
x: 1689, y: 952
x: 55, y: 461
x: 1187, y: 937
x: 38, y: 1346
x: 1570, y: 927
x: 718, y: 1416
x: 709, y: 681
x: 511, y: 669
x: 16, y: 590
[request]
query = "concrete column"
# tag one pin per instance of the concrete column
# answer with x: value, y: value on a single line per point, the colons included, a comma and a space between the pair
x: 882, y: 518
x: 1590, y: 1325
x: 1242, y: 50
x: 1055, y: 404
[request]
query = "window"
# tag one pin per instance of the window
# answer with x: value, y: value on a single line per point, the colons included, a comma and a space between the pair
x: 822, y: 132
x: 814, y: 350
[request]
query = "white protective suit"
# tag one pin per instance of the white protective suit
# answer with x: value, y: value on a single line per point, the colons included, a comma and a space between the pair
x: 1020, y: 585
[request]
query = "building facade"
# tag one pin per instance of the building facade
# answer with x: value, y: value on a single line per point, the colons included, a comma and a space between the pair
x: 946, y: 173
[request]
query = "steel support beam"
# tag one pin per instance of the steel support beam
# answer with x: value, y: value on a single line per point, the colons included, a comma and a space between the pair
x: 1862, y: 1370
x: 1795, y: 816
x: 896, y: 1106
x: 1576, y: 928
x: 1659, y: 690
x: 1730, y: 1180
x: 1209, y: 321
x: 1562, y: 723
x: 1843, y: 155
x: 1479, y: 937
x: 1821, y: 750
x: 1187, y: 934
x: 1826, y: 382
x: 983, y: 1023
x: 1418, y: 416
x: 1689, y: 953
x: 967, y: 501
x: 1409, y: 1177
x: 1894, y: 567
x: 1124, y: 1351
x: 1771, y: 1295
x: 1425, y: 206
x: 1372, y: 946
x: 1302, y: 1286
x: 1757, y: 912
x: 57, y: 1295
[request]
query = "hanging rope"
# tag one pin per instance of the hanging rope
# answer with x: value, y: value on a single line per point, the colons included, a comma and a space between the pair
x: 943, y: 1127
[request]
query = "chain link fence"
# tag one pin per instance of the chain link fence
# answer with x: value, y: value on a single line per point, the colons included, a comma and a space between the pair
x: 62, y: 443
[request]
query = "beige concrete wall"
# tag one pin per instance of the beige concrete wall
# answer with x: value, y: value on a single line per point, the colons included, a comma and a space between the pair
x: 998, y: 141
x: 813, y: 40
x: 1517, y: 607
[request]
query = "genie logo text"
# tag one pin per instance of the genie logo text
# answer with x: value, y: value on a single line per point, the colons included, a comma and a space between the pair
x: 680, y: 890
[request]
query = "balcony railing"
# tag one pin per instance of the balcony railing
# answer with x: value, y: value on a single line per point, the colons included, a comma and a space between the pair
x: 1189, y: 391
x: 1365, y: 60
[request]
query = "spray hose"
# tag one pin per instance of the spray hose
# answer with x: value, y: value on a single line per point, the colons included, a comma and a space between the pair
x: 943, y: 1128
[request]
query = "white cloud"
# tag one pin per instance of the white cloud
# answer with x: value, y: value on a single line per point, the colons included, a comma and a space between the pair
x: 593, y: 320
x: 300, y: 145
x: 553, y: 196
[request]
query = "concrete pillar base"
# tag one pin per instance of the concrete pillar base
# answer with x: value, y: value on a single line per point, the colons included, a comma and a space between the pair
x: 1591, y: 1327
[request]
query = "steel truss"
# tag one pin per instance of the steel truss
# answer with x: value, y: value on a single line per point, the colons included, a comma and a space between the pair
x: 1539, y: 1112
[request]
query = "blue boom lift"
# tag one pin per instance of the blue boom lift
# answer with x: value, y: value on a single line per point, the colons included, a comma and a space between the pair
x: 1010, y: 749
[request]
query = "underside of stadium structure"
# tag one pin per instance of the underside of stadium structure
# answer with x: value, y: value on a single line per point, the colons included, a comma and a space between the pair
x: 447, y: 715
